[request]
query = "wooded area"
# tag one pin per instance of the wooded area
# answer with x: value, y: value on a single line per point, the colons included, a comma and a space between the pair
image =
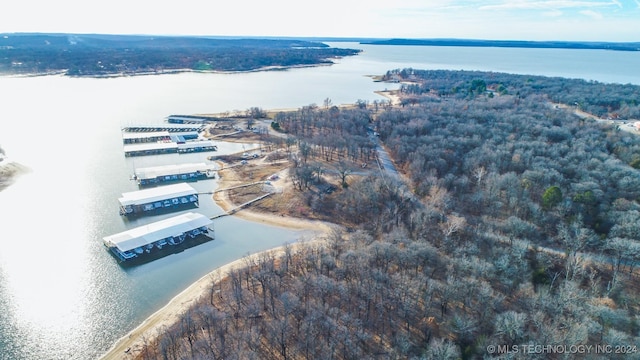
x: 602, y: 45
x: 109, y: 55
x: 512, y: 221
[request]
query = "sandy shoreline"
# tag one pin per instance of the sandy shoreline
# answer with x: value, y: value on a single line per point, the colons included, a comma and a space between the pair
x: 129, y: 345
x: 391, y: 95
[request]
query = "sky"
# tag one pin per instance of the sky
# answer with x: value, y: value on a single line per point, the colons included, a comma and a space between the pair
x: 570, y: 20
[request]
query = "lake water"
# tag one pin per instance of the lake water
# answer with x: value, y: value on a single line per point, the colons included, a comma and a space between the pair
x: 62, y: 295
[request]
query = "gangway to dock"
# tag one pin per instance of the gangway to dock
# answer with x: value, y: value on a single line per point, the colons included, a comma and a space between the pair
x: 227, y: 134
x: 239, y: 207
x: 240, y: 186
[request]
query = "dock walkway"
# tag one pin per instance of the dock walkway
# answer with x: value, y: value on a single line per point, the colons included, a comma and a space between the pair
x: 240, y: 186
x: 239, y: 207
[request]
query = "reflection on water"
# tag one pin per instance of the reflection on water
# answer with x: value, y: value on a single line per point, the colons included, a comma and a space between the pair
x: 63, y: 290
x: 63, y: 296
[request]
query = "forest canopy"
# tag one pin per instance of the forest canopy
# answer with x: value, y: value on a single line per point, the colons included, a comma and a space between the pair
x: 104, y: 55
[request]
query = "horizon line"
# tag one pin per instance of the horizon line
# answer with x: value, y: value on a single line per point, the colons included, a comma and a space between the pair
x: 325, y: 38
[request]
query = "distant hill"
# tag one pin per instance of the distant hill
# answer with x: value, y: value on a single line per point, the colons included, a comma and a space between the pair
x: 622, y: 46
x: 109, y: 55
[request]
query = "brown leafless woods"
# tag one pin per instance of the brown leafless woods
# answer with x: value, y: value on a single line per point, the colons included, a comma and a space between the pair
x: 512, y: 222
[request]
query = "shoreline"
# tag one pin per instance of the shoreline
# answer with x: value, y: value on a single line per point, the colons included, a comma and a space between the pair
x: 128, y: 345
x: 391, y: 95
x: 164, y: 72
x: 131, y: 343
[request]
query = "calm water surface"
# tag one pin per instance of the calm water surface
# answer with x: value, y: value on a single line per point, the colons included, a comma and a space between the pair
x: 62, y: 296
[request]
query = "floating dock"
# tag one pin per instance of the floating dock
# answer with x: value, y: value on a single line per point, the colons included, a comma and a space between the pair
x: 155, y: 148
x: 158, y: 136
x: 164, y: 127
x: 190, y: 119
x: 168, y: 147
x: 158, y: 199
x: 159, y: 239
x: 156, y: 175
x: 196, y: 146
x: 146, y: 137
x: 164, y: 139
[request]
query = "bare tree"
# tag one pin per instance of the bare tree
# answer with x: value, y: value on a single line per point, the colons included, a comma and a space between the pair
x: 344, y: 170
x: 441, y: 349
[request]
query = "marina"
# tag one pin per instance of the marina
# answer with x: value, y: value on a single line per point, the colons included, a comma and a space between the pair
x: 157, y: 175
x: 158, y: 199
x: 161, y: 238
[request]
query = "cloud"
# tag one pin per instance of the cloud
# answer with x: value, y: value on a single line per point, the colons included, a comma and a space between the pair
x: 592, y: 14
x: 553, y: 13
x: 549, y: 5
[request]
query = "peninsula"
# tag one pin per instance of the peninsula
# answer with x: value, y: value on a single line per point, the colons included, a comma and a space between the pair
x: 125, y: 55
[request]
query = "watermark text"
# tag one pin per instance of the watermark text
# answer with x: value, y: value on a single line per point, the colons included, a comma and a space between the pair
x: 561, y: 349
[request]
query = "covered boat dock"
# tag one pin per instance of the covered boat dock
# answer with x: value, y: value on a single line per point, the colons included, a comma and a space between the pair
x: 141, y: 148
x: 196, y: 146
x: 164, y: 127
x: 189, y: 119
x: 170, y: 173
x: 147, y: 137
x: 168, y: 197
x: 160, y: 238
x: 150, y: 148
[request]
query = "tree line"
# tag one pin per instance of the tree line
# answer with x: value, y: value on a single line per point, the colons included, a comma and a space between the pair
x: 96, y: 55
x: 600, y: 99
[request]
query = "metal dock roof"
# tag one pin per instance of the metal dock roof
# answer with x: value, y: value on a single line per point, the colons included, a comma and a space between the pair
x: 144, y: 135
x: 147, y: 234
x: 163, y: 127
x: 189, y: 119
x: 150, y: 146
x: 164, y: 170
x: 196, y: 144
x: 156, y: 194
